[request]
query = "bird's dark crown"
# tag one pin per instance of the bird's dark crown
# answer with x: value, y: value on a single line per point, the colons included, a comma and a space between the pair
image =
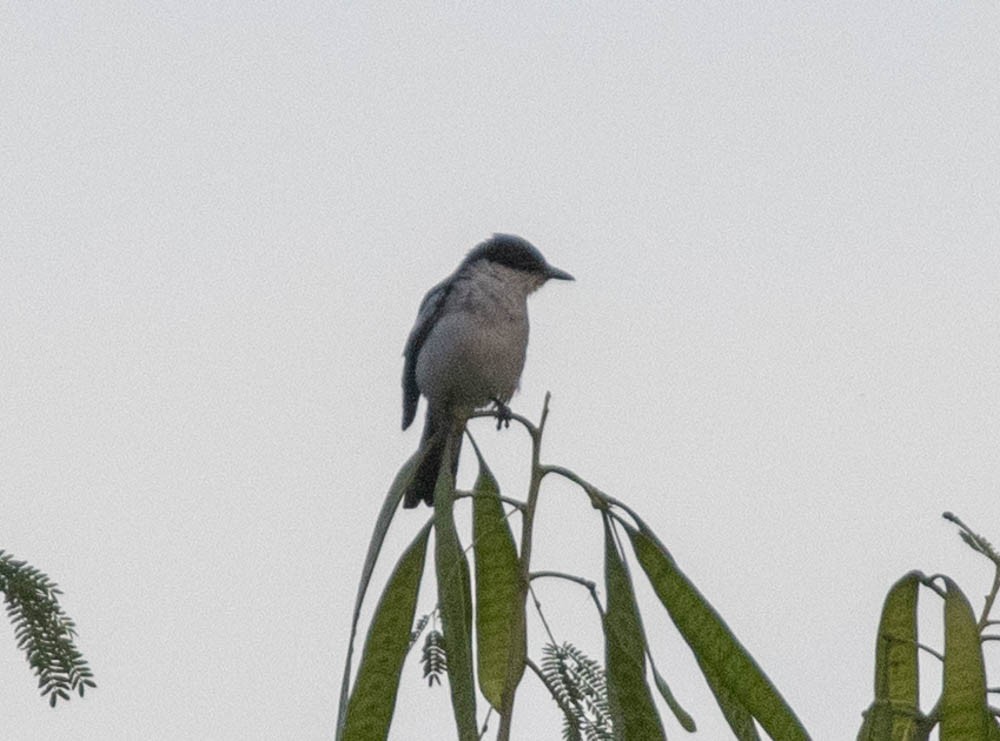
x: 511, y: 251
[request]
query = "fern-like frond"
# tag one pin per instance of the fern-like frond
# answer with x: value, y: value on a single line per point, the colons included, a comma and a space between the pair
x: 43, y: 631
x: 973, y: 539
x: 578, y: 685
x: 435, y: 659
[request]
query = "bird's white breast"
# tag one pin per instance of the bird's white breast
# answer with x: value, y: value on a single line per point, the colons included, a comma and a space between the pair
x: 476, y: 349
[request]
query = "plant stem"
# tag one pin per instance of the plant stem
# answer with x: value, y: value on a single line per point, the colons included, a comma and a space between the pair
x: 567, y: 711
x: 515, y: 661
x: 591, y: 586
x: 980, y: 544
x: 984, y: 620
x: 516, y: 504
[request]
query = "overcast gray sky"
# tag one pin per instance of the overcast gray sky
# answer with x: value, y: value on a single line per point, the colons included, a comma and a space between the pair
x: 782, y: 348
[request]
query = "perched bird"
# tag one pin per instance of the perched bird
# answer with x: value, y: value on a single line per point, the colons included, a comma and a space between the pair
x: 467, y: 347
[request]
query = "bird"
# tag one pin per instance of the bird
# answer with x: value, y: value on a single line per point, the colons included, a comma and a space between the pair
x: 467, y: 348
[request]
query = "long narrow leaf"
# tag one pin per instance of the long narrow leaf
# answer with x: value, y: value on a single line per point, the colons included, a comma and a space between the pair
x: 455, y: 600
x: 497, y: 590
x: 730, y: 671
x: 739, y: 718
x: 964, y: 710
x: 632, y: 708
x: 682, y: 715
x: 389, y: 507
x: 373, y: 698
x: 894, y: 714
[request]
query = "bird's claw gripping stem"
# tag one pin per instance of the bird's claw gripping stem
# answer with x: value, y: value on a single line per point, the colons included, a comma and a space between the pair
x: 504, y: 415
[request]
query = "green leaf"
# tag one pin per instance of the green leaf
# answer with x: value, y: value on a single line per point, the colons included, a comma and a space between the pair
x: 373, y: 698
x: 739, y: 685
x: 739, y: 718
x: 964, y: 711
x: 42, y: 630
x: 632, y: 706
x: 455, y: 600
x: 498, y: 578
x: 682, y: 716
x: 894, y: 714
x: 578, y: 684
x: 389, y: 507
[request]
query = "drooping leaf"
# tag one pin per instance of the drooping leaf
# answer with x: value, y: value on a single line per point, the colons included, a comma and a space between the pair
x: 682, y: 716
x: 389, y: 507
x: 732, y: 674
x: 373, y: 697
x: 498, y: 578
x: 894, y: 714
x: 632, y: 708
x: 455, y: 601
x: 964, y: 711
x: 739, y: 718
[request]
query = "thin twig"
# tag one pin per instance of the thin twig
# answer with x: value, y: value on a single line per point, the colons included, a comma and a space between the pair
x: 980, y: 544
x: 990, y: 599
x: 931, y: 651
x: 590, y: 586
x: 560, y: 575
x: 515, y: 503
x: 486, y: 722
x: 552, y: 690
x: 541, y: 615
x: 518, y: 627
x: 597, y: 498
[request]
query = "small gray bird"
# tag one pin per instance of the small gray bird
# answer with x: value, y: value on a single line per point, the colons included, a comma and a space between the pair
x: 467, y: 347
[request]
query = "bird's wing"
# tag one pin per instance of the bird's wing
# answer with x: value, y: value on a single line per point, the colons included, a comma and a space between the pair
x: 430, y: 309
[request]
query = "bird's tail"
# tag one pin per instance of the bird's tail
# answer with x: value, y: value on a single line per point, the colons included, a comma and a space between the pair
x: 437, y: 433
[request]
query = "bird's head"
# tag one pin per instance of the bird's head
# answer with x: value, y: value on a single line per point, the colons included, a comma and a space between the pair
x: 516, y: 253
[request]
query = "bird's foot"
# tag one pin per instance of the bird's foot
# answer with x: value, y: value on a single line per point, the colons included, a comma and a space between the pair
x: 503, y: 413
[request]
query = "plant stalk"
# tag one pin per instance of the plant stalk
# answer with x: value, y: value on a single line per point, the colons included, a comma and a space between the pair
x: 518, y: 627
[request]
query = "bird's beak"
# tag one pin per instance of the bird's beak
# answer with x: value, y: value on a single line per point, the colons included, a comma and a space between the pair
x: 557, y: 274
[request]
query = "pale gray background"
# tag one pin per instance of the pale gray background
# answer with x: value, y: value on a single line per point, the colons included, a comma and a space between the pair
x: 783, y: 344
